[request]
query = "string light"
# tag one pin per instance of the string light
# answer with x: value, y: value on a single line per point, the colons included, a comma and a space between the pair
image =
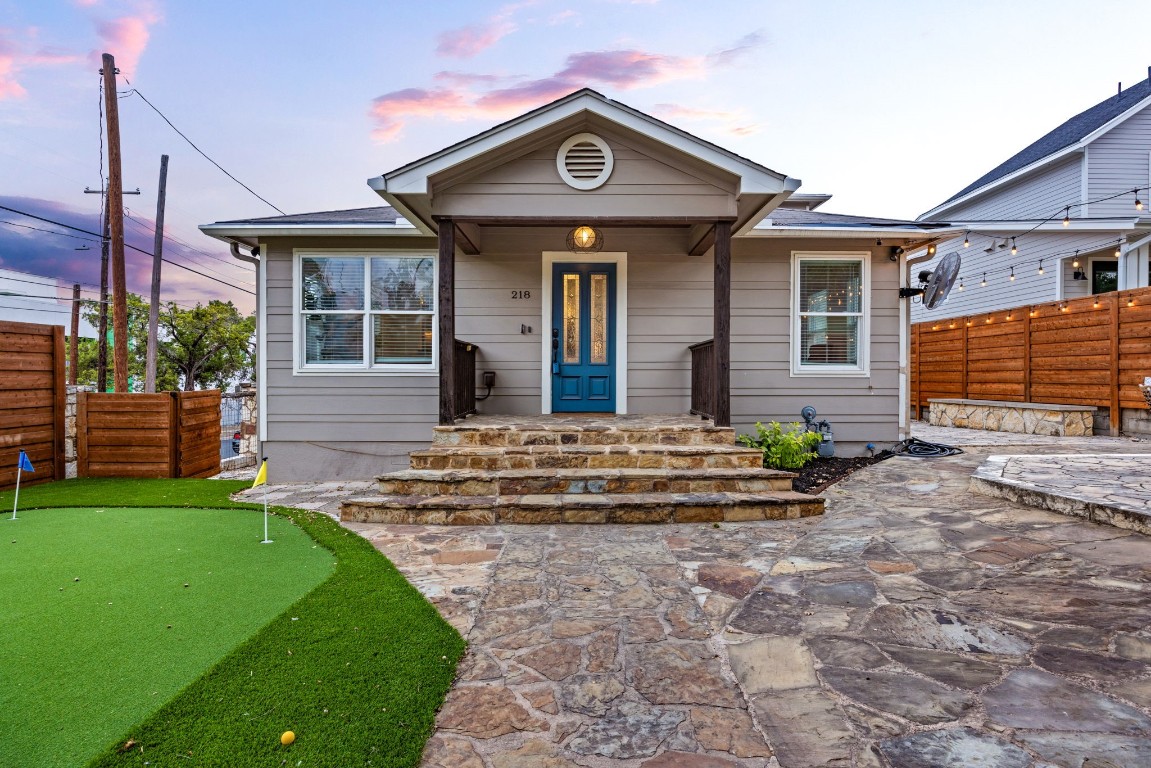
x: 1041, y: 266
x: 961, y: 283
x: 983, y: 283
x: 1138, y: 202
x: 1119, y: 249
x: 1075, y: 261
x: 1012, y: 278
x: 1067, y: 216
x: 1014, y: 248
x: 966, y: 240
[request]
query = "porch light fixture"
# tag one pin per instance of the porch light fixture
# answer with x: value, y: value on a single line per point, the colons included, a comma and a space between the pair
x: 585, y: 239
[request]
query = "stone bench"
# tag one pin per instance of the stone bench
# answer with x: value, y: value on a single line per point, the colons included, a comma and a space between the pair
x: 1005, y: 416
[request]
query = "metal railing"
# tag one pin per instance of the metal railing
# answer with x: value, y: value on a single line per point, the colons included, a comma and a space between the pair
x: 703, y: 378
x: 464, y: 366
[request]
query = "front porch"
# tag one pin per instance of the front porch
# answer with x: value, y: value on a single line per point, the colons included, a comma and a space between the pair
x: 583, y: 469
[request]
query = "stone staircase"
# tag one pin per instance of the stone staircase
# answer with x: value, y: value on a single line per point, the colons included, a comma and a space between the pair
x: 620, y: 469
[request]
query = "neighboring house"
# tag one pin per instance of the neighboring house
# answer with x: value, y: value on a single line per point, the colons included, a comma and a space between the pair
x: 1073, y: 205
x: 489, y: 241
x: 28, y: 298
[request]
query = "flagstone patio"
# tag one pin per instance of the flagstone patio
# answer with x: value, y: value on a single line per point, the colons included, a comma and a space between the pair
x: 915, y: 624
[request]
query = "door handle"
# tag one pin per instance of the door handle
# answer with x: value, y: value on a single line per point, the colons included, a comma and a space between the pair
x: 555, y: 351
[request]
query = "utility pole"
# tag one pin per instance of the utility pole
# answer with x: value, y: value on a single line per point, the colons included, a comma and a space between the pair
x: 102, y: 342
x: 73, y: 342
x: 154, y: 307
x: 116, y: 218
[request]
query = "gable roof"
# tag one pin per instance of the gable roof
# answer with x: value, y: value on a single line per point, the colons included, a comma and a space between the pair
x: 1079, y: 128
x: 381, y: 214
x: 407, y: 187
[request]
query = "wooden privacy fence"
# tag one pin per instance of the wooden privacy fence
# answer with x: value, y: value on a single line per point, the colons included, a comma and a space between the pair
x: 168, y: 434
x: 1093, y: 351
x: 32, y: 401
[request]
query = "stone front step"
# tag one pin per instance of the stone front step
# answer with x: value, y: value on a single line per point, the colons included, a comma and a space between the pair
x: 588, y: 457
x: 519, y: 482
x: 581, y: 508
x: 591, y: 434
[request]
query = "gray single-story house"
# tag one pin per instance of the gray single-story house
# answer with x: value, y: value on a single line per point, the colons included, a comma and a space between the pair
x: 595, y: 260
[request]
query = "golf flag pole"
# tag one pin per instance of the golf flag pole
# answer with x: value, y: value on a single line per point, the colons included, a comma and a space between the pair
x: 23, y: 463
x: 262, y: 479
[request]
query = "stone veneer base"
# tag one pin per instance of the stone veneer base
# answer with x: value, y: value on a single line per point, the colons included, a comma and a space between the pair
x: 1022, y: 418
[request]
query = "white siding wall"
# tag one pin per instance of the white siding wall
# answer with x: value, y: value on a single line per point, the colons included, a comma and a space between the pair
x: 1118, y: 161
x: 1037, y: 195
x: 1029, y: 287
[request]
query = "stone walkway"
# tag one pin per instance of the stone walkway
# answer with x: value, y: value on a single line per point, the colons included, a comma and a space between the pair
x: 915, y: 624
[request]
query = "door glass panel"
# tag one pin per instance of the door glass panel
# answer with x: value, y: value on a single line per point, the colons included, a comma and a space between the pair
x: 571, y: 318
x: 599, y: 318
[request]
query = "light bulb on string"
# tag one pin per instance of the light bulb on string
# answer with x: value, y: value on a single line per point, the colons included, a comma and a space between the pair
x: 1012, y: 277
x: 1075, y: 260
x: 961, y: 283
x: 1138, y: 202
x: 1014, y: 248
x: 966, y: 240
x: 1067, y: 216
x: 1119, y: 249
x: 983, y: 282
x: 1041, y: 266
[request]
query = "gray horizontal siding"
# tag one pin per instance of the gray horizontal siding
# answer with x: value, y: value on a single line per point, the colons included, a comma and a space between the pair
x: 1118, y: 161
x: 1038, y: 195
x: 1029, y: 287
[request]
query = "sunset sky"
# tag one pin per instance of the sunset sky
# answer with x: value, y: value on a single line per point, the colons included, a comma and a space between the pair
x: 890, y: 106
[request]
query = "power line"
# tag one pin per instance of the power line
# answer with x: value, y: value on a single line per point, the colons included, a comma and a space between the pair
x: 126, y: 245
x: 49, y: 231
x: 193, y: 261
x: 193, y: 146
x: 177, y: 241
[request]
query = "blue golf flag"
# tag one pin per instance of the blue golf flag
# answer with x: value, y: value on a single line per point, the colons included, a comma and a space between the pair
x: 24, y: 463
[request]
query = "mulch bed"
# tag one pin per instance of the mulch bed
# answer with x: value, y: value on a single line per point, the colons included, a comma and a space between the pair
x: 819, y: 474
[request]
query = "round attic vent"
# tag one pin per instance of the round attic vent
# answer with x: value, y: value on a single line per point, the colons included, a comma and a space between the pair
x: 584, y: 161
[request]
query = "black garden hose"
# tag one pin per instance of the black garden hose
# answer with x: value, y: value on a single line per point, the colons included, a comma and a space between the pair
x: 913, y: 446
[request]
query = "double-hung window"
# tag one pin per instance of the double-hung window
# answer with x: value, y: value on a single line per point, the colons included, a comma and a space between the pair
x: 830, y: 311
x: 372, y: 312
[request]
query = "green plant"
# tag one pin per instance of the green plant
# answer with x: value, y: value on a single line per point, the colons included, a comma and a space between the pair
x: 790, y: 449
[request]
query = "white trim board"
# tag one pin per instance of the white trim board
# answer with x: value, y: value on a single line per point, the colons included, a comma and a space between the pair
x: 560, y: 257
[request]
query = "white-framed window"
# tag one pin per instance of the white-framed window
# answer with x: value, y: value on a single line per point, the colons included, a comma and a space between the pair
x: 831, y: 309
x: 365, y: 311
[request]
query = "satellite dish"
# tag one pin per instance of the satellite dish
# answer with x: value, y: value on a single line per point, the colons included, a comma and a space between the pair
x: 940, y: 282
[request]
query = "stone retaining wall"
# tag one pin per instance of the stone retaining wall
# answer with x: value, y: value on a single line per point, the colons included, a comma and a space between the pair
x: 1023, y: 418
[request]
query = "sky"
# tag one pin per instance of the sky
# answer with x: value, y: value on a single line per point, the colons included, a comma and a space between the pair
x: 889, y: 106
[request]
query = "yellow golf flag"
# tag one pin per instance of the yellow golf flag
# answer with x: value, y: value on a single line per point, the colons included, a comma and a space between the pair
x: 262, y: 475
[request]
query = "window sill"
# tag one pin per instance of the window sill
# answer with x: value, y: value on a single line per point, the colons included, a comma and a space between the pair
x: 334, y: 371
x: 830, y: 373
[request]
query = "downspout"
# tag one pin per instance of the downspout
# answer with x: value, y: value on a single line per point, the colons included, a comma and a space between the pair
x: 254, y: 260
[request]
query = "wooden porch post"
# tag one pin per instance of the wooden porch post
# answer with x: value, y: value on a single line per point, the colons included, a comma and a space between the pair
x: 447, y: 319
x: 722, y: 320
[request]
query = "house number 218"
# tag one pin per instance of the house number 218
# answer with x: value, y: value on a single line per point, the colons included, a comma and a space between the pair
x: 521, y: 294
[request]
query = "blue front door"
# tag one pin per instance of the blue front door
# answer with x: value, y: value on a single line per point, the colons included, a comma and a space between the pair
x: 583, y: 338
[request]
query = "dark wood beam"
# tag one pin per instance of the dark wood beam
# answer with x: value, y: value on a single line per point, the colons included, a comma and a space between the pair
x: 722, y: 321
x: 447, y: 320
x: 468, y: 238
x: 702, y: 240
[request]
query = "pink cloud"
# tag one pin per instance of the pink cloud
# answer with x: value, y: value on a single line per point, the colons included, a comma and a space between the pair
x: 126, y: 37
x: 465, y: 42
x: 15, y: 57
x: 464, y: 97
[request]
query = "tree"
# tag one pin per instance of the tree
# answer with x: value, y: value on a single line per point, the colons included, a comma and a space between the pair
x: 207, y: 345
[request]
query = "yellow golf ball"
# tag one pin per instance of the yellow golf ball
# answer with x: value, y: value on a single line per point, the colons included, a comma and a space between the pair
x: 287, y: 738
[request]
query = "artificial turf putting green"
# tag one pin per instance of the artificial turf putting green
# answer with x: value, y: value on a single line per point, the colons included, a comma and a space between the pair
x: 106, y: 613
x: 358, y: 676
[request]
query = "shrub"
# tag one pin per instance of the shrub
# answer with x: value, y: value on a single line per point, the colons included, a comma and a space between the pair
x: 784, y: 450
